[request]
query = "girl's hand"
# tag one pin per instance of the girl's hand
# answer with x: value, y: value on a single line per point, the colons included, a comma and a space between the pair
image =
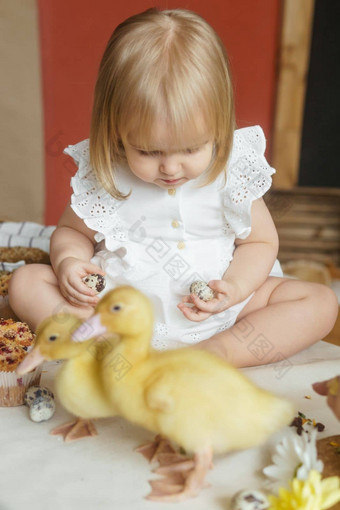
x: 70, y: 273
x: 331, y: 390
x: 227, y: 294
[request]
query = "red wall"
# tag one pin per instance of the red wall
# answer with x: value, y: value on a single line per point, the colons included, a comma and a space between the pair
x: 73, y: 35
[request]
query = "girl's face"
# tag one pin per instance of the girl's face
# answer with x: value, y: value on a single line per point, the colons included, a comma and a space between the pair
x: 165, y: 164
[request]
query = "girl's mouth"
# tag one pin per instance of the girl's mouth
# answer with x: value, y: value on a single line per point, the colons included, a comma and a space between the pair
x: 174, y: 181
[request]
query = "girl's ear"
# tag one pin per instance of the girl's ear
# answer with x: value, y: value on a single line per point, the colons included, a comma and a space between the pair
x: 213, y: 155
x: 121, y: 149
x: 121, y: 145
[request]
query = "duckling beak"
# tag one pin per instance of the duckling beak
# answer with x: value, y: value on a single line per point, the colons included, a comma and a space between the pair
x: 30, y: 362
x: 89, y: 329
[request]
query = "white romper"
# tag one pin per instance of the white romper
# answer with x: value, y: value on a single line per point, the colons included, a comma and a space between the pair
x: 161, y: 240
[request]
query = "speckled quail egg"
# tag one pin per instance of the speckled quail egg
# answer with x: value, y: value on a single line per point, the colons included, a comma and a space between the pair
x: 34, y: 392
x: 42, y: 409
x: 202, y: 290
x: 249, y: 500
x: 95, y: 281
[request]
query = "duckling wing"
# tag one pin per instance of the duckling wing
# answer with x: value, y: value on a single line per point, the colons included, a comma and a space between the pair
x: 196, y: 399
x: 158, y: 395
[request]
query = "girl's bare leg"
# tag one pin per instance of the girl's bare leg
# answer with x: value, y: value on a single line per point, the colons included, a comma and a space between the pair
x: 34, y: 295
x: 283, y: 317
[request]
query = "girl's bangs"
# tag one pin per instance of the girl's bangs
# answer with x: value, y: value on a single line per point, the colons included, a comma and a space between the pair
x: 186, y: 118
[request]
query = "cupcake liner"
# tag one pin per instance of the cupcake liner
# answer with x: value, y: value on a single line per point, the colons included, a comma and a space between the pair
x: 13, y: 387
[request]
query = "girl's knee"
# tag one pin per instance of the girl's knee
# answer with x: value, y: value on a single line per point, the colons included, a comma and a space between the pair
x: 18, y: 279
x: 326, y: 303
x: 26, y: 276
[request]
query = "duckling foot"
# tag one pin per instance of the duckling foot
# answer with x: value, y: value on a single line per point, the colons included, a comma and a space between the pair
x: 183, y: 479
x: 76, y: 429
x: 171, y: 484
x: 159, y: 446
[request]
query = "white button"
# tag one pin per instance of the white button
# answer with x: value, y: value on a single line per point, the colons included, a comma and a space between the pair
x: 172, y: 191
x: 174, y: 224
x: 180, y: 245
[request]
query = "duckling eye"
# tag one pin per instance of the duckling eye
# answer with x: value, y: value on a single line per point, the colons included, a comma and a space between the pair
x: 116, y: 308
x: 53, y: 337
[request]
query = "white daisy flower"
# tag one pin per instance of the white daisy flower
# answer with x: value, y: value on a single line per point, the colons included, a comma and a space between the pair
x: 295, y: 457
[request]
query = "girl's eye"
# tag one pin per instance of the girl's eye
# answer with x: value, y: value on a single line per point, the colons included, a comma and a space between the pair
x: 192, y: 150
x: 149, y: 153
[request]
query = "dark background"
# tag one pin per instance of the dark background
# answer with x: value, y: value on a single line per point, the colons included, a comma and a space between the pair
x: 320, y: 150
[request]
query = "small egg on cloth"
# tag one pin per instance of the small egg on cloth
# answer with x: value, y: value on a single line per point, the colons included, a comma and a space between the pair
x: 95, y: 281
x: 202, y: 290
x: 40, y: 400
x: 42, y: 409
x: 249, y: 500
x: 34, y: 392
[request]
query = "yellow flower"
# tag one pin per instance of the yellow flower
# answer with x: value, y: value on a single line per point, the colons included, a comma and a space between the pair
x: 310, y: 494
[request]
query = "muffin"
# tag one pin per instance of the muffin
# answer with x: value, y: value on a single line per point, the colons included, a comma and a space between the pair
x: 16, y: 340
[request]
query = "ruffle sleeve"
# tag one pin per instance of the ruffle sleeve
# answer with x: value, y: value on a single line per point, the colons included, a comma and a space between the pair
x: 92, y: 203
x: 248, y: 178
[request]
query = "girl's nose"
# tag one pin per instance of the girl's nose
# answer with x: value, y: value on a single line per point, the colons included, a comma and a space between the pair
x: 170, y: 165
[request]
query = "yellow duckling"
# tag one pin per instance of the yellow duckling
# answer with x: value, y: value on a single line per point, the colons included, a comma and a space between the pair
x: 190, y: 396
x: 78, y: 382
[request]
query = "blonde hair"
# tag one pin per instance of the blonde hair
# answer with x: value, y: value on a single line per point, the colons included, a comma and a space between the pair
x: 168, y: 61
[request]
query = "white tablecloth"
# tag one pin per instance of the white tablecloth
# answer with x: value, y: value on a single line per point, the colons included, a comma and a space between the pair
x: 41, y: 472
